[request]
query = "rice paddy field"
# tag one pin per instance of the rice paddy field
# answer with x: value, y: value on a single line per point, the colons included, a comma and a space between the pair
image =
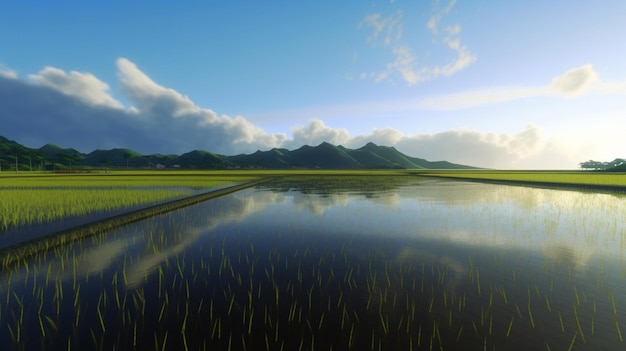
x: 589, y: 179
x: 33, y: 204
x: 335, y: 262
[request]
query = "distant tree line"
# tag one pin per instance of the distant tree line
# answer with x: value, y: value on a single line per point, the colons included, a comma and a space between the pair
x: 598, y: 165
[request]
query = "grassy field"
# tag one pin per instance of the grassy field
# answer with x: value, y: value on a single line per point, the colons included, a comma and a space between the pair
x: 585, y: 178
x: 38, y: 198
x: 33, y: 197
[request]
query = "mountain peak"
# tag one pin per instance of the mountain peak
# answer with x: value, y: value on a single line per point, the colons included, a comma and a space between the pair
x: 370, y: 146
x: 326, y: 144
x: 323, y: 156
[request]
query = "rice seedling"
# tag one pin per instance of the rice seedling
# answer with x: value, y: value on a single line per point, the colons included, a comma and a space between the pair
x: 571, y: 345
x: 236, y: 273
x: 562, y: 177
x: 41, y: 199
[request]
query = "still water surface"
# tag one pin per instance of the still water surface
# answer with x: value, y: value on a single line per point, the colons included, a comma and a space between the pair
x: 376, y: 263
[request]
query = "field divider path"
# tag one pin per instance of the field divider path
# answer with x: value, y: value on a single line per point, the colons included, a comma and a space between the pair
x: 608, y: 188
x: 12, y: 254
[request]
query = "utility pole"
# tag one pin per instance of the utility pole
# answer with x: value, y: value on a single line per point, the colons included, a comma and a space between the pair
x: 16, y: 166
x: 30, y: 163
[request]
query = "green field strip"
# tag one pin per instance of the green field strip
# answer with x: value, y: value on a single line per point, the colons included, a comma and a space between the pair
x: 557, y: 180
x: 13, y: 254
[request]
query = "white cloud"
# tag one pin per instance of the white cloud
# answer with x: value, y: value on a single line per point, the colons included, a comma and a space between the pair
x: 247, y: 134
x: 477, y: 98
x: 572, y: 83
x: 83, y: 86
x: 316, y: 132
x: 575, y: 81
x: 149, y: 96
x: 7, y: 73
x: 527, y: 148
x: 405, y: 64
x: 464, y: 58
x: 390, y: 26
x: 160, y: 103
x: 76, y: 108
x: 477, y: 148
x: 453, y: 30
x: 163, y: 120
x: 167, y: 105
x: 379, y: 136
x: 433, y: 22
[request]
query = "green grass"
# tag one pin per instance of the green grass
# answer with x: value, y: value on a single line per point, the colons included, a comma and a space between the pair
x: 554, y: 177
x: 123, y: 179
x: 30, y: 199
x: 29, y: 206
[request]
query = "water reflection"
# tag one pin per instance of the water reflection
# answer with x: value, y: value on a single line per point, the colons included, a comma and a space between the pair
x: 149, y: 243
x: 160, y: 245
x: 559, y: 222
x: 334, y: 262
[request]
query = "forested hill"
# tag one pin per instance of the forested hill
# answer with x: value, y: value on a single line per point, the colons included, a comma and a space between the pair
x: 323, y: 156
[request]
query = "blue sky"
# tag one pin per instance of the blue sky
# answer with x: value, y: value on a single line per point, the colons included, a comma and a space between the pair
x: 515, y: 84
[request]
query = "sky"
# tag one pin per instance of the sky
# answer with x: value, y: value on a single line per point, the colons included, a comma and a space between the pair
x: 498, y: 84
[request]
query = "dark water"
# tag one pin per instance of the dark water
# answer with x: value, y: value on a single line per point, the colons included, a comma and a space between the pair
x: 337, y: 263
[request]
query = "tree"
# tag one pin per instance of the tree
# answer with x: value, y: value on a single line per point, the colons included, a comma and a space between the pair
x: 616, y: 162
x: 127, y: 156
x: 67, y: 159
x: 597, y: 165
x: 105, y: 164
x: 591, y: 164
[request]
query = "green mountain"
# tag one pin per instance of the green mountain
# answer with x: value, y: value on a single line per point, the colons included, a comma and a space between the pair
x: 274, y: 159
x: 11, y: 150
x: 328, y: 156
x: 384, y: 157
x: 323, y: 156
x: 201, y: 160
x: 114, y: 157
x: 55, y: 153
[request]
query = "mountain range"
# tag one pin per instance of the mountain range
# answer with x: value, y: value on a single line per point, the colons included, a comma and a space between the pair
x: 322, y: 156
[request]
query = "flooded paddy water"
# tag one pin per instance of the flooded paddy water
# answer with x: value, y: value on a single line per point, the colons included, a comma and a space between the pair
x: 321, y: 263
